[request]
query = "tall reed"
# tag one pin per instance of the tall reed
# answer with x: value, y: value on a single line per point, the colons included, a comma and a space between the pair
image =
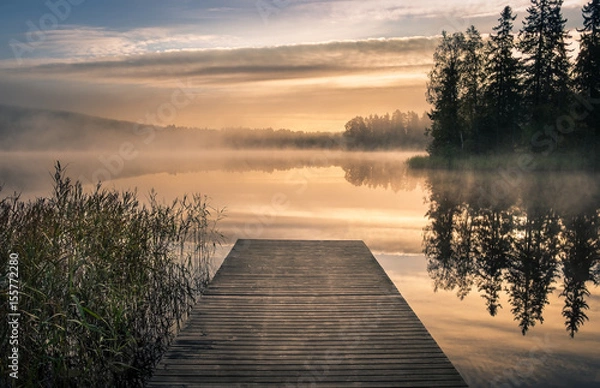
x: 105, y: 281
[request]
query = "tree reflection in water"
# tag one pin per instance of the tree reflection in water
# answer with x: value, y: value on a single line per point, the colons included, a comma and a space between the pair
x: 375, y: 173
x: 524, y: 241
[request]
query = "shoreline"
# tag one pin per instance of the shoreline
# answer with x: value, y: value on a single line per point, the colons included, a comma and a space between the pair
x: 525, y: 161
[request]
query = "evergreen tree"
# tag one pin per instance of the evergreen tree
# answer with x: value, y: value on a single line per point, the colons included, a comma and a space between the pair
x: 547, y: 66
x: 447, y: 128
x: 503, y: 84
x: 472, y: 78
x: 587, y: 68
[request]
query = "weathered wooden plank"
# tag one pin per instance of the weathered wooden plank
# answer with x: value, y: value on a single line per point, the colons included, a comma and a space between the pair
x: 297, y: 313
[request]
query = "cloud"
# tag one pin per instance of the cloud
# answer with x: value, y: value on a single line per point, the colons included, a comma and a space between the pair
x: 305, y: 86
x: 350, y: 11
x: 189, y: 25
x: 75, y: 42
x: 227, y: 66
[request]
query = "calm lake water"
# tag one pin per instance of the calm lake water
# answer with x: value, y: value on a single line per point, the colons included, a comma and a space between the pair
x: 500, y: 267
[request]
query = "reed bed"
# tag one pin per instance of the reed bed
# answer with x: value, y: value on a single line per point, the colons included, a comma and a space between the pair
x: 105, y: 281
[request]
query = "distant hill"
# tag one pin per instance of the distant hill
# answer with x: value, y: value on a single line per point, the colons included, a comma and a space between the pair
x: 40, y: 129
x: 29, y: 129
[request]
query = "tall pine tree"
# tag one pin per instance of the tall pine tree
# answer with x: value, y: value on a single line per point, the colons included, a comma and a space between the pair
x: 471, y: 93
x: 547, y: 67
x: 587, y: 68
x: 443, y: 88
x: 502, y: 94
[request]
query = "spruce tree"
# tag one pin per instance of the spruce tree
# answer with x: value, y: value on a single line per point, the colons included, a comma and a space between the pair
x: 587, y: 68
x: 502, y: 94
x: 547, y: 67
x: 447, y: 128
x: 471, y: 93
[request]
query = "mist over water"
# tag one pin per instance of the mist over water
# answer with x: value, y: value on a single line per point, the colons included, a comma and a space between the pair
x: 503, y: 255
x: 27, y: 171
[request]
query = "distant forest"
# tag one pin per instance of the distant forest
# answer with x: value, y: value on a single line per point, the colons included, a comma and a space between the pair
x: 400, y: 130
x: 43, y: 130
x: 530, y: 91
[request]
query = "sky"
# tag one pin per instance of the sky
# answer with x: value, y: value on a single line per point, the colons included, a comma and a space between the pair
x: 298, y: 64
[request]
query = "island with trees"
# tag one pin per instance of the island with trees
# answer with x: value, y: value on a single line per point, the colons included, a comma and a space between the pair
x: 526, y: 92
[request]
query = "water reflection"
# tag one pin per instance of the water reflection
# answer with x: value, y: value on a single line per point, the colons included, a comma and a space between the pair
x: 385, y: 173
x: 28, y: 171
x: 513, y: 238
x: 541, y: 234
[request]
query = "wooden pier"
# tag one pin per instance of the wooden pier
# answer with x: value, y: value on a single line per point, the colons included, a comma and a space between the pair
x: 303, y: 314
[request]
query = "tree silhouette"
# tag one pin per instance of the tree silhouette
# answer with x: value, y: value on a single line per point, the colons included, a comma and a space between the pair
x: 547, y: 64
x: 448, y: 239
x: 581, y: 254
x: 533, y: 266
x: 493, y: 228
x: 587, y: 68
x: 587, y: 72
x: 447, y: 130
x: 471, y: 93
x: 384, y: 132
x: 503, y: 84
x: 502, y: 95
x: 387, y: 174
x: 519, y: 245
